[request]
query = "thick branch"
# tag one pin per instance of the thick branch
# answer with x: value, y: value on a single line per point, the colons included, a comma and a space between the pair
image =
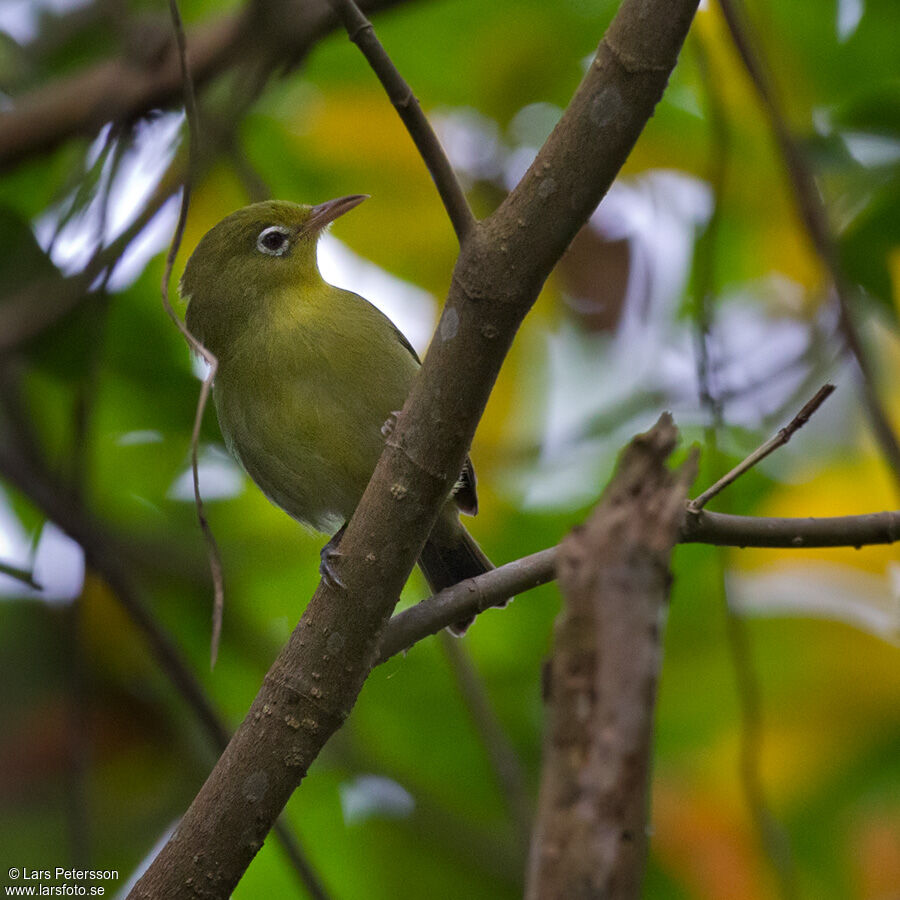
x: 590, y: 838
x: 312, y: 685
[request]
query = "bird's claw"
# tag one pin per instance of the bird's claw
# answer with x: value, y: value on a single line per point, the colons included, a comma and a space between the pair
x: 388, y: 428
x: 326, y: 567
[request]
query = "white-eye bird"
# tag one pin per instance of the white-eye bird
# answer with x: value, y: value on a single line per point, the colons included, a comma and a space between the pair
x: 310, y: 377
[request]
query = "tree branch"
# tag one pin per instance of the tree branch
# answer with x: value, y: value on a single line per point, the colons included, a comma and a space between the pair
x: 472, y: 596
x: 37, y: 306
x: 725, y: 530
x: 123, y: 89
x: 505, y: 763
x: 212, y: 363
x: 311, y: 687
x: 361, y: 32
x: 475, y: 595
x: 590, y: 838
x: 114, y: 90
x: 770, y: 446
x: 104, y: 558
x: 814, y: 216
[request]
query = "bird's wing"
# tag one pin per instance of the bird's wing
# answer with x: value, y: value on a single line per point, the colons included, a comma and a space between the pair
x: 403, y: 340
x: 464, y: 491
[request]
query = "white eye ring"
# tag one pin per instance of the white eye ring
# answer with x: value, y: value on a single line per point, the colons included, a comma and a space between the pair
x: 267, y: 242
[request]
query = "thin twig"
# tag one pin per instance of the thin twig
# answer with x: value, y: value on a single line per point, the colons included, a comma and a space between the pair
x: 705, y: 271
x: 25, y: 576
x: 772, y: 834
x: 815, y: 218
x: 361, y: 32
x: 215, y: 559
x: 504, y: 760
x: 761, y: 452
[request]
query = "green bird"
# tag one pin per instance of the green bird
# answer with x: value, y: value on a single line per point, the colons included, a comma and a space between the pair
x: 310, y: 378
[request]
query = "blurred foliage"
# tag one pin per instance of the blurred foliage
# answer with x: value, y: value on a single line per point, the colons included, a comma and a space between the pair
x: 99, y: 755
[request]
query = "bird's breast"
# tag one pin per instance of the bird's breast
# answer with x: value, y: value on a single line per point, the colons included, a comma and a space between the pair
x: 306, y: 424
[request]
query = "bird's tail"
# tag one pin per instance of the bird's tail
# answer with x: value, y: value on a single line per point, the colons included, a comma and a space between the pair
x: 451, y: 555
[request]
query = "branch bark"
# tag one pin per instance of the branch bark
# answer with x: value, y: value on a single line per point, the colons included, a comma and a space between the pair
x: 475, y: 595
x: 725, y: 530
x: 590, y: 838
x: 312, y: 685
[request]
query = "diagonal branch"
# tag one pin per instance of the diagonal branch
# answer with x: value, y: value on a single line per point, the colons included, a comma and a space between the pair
x: 770, y: 446
x: 105, y: 558
x: 361, y: 32
x: 814, y: 216
x: 123, y: 89
x: 311, y: 687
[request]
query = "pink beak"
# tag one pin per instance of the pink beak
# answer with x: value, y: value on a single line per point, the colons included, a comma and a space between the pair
x: 327, y: 212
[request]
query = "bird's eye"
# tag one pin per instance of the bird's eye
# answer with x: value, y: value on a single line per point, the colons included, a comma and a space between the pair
x: 273, y: 240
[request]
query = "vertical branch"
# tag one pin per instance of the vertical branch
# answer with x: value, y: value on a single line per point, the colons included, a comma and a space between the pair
x: 590, y: 839
x: 705, y: 256
x: 504, y: 761
x: 361, y: 32
x: 772, y: 837
x: 215, y: 559
x: 814, y: 216
x: 775, y: 842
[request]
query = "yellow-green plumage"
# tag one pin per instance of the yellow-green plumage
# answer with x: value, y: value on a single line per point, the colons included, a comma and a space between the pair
x: 308, y: 373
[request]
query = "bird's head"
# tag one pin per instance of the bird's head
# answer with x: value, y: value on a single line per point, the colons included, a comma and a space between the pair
x: 250, y: 256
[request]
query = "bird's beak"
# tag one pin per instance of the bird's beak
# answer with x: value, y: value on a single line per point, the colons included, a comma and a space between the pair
x: 327, y: 212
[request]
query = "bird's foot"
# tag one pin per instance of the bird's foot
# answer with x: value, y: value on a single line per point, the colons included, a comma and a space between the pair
x: 388, y: 428
x: 326, y: 568
x: 328, y: 554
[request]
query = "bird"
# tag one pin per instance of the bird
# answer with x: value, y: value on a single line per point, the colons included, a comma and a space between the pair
x: 310, y: 378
